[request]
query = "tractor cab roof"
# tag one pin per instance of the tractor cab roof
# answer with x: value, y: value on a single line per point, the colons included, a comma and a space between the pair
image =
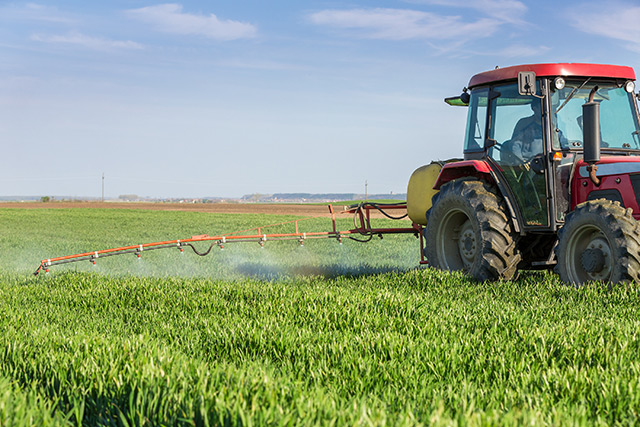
x: 552, y: 70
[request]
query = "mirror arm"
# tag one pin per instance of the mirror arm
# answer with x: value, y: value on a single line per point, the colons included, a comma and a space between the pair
x: 592, y: 169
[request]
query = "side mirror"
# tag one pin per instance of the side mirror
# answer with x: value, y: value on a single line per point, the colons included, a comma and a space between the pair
x: 462, y: 100
x: 591, y: 129
x: 527, y: 83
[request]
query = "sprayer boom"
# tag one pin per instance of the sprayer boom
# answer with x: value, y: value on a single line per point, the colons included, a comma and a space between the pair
x: 362, y: 228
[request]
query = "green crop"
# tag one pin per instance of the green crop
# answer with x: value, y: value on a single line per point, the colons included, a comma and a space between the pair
x: 321, y: 334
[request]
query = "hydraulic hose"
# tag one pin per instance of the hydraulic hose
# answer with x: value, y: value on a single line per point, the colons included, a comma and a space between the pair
x: 379, y: 207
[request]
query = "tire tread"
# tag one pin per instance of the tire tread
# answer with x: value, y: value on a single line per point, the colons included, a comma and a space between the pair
x: 499, y: 255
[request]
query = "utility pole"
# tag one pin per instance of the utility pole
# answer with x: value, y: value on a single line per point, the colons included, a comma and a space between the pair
x: 103, y: 187
x: 366, y: 184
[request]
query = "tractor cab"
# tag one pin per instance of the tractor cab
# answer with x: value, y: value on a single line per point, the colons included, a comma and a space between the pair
x: 527, y: 123
x: 550, y: 176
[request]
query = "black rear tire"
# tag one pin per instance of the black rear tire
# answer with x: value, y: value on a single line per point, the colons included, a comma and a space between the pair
x: 600, y: 241
x: 468, y: 230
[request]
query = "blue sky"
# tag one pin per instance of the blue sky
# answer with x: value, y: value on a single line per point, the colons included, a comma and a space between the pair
x: 212, y: 98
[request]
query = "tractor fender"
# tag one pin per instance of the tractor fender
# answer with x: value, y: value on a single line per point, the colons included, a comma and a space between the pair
x: 481, y: 170
x: 477, y: 168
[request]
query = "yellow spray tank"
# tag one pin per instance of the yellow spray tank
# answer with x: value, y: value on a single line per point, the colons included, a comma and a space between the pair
x: 420, y: 191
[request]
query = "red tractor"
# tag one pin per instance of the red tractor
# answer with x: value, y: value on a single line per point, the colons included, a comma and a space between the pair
x: 550, y: 177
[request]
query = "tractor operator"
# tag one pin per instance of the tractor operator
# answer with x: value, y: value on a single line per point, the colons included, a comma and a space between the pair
x: 527, y: 134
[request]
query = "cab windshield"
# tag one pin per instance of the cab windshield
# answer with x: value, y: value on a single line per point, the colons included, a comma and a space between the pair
x: 618, y: 121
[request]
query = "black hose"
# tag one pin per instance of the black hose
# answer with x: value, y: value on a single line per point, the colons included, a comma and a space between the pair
x: 377, y: 206
x: 387, y: 215
x: 196, y: 251
x: 380, y: 207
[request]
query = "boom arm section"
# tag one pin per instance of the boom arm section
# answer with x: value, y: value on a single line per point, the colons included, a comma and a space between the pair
x: 363, y: 231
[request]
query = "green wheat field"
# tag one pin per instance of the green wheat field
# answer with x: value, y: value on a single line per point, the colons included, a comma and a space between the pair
x: 324, y: 334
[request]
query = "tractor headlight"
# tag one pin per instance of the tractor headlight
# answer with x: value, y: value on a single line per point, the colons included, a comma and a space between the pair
x: 629, y: 86
x: 558, y: 83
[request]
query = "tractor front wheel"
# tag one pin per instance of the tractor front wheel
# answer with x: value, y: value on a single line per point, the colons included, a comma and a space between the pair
x: 468, y: 230
x: 599, y: 242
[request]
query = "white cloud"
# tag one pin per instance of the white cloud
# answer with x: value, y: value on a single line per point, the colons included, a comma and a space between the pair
x: 35, y: 12
x: 510, y: 51
x: 402, y: 24
x: 618, y: 22
x: 86, y: 41
x: 256, y: 64
x: 171, y: 19
x: 517, y: 50
x: 509, y: 11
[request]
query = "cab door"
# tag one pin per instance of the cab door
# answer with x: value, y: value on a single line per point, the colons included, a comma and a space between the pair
x: 516, y: 144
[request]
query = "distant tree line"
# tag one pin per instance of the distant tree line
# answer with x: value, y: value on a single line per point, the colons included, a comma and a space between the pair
x: 283, y: 197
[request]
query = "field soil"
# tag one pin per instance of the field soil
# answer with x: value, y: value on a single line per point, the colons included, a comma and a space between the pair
x: 232, y: 208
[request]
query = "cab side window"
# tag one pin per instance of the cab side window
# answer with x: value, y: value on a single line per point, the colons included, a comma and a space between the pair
x: 516, y: 126
x: 476, y: 121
